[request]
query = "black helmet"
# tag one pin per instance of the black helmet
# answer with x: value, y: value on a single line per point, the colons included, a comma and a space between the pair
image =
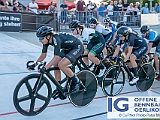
x: 44, y: 31
x: 74, y: 24
x: 144, y: 29
x: 121, y: 24
x: 93, y: 20
x: 124, y: 31
x: 106, y: 20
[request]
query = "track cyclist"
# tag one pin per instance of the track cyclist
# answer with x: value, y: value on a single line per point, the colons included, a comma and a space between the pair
x: 137, y: 47
x: 67, y: 49
x: 153, y: 37
x: 93, y: 42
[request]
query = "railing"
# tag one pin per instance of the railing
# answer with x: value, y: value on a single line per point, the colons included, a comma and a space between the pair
x: 83, y: 17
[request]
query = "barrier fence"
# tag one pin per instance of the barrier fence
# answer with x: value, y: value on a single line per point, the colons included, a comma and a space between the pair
x: 23, y: 21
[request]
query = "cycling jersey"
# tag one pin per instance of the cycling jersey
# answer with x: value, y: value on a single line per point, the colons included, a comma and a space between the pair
x: 97, y: 44
x: 139, y: 45
x: 104, y: 31
x: 153, y: 37
x: 65, y: 45
x: 84, y: 37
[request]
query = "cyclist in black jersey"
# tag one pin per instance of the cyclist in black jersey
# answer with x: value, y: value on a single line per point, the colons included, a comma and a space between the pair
x: 94, y: 45
x: 137, y: 47
x: 67, y: 49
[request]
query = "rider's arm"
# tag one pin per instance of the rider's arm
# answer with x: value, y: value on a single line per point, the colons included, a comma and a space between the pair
x: 113, y: 38
x: 149, y: 47
x: 128, y: 53
x: 116, y: 51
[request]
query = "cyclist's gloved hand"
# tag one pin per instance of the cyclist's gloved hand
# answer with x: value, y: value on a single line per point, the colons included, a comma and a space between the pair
x: 30, y: 65
x: 42, y: 70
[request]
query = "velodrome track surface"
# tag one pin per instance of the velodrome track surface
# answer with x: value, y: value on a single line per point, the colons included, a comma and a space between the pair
x: 18, y: 48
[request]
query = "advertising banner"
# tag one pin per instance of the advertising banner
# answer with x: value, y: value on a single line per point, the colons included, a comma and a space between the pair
x: 11, y: 22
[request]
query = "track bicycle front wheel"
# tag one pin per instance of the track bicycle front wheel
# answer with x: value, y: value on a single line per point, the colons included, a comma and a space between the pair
x: 29, y: 98
x: 146, y: 75
x: 85, y: 96
x: 113, y: 81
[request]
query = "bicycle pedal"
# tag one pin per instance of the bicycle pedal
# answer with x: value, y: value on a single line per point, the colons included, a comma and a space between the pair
x: 55, y: 97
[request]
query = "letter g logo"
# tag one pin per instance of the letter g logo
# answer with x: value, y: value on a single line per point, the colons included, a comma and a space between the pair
x: 115, y: 105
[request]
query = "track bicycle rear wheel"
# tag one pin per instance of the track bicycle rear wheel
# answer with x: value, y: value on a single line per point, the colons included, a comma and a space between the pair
x: 146, y: 75
x: 84, y: 97
x: 26, y: 100
x: 113, y: 81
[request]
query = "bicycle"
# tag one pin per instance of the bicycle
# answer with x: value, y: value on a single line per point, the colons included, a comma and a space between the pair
x: 111, y: 79
x: 33, y: 93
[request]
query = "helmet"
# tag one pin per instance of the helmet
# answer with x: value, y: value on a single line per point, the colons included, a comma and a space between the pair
x: 121, y: 24
x: 44, y: 31
x: 74, y: 24
x: 144, y: 29
x: 93, y: 20
x: 106, y: 20
x: 124, y: 31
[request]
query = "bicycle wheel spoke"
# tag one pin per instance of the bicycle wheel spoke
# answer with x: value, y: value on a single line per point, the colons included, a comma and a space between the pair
x: 41, y: 97
x: 32, y: 105
x: 40, y: 85
x: 27, y: 97
x: 111, y: 92
x: 28, y: 87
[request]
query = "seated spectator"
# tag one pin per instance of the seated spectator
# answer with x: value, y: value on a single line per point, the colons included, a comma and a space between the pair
x: 33, y: 6
x: 51, y: 8
x: 152, y: 11
x: 145, y: 9
x: 5, y: 7
x: 15, y: 6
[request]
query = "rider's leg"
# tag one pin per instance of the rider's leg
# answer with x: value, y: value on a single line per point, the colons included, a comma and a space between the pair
x: 63, y: 65
x: 134, y: 65
x: 156, y: 60
x: 85, y: 59
x: 57, y: 73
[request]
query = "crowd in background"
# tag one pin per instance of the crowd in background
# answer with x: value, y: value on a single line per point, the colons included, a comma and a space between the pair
x: 83, y: 10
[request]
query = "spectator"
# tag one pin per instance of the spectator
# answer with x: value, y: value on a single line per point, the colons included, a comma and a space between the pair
x: 101, y: 12
x: 21, y: 9
x: 136, y: 9
x: 145, y: 9
x: 90, y: 10
x: 156, y: 8
x: 130, y: 9
x: 152, y: 11
x: 80, y: 6
x: 33, y: 7
x: 138, y: 5
x: 125, y: 5
x: 110, y: 10
x: 95, y: 10
x: 5, y: 7
x: 120, y: 5
x: 116, y: 12
x: 4, y: 1
x: 15, y: 6
x: 51, y: 8
x: 64, y: 9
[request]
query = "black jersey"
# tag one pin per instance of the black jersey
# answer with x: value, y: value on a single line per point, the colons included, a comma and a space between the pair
x: 61, y: 42
x: 135, y: 41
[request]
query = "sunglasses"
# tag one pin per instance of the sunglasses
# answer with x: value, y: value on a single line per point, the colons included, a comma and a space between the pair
x: 72, y: 29
x: 41, y: 38
x: 120, y: 35
x: 91, y: 25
